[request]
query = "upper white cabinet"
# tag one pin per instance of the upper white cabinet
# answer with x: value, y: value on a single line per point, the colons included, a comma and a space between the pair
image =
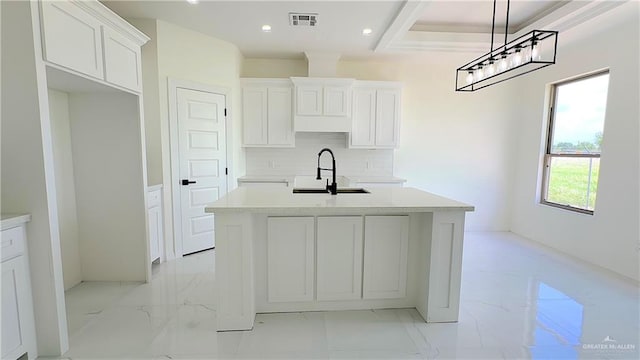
x: 121, y: 60
x: 376, y: 115
x: 88, y: 38
x: 322, y: 104
x: 72, y: 38
x: 266, y: 113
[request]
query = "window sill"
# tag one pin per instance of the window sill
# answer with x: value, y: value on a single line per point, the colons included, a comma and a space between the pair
x: 567, y: 207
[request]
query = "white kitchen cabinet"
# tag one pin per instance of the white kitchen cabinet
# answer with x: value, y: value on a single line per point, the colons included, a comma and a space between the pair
x: 322, y: 104
x: 290, y: 259
x: 71, y: 38
x: 267, y: 113
x: 88, y: 38
x: 339, y: 258
x: 18, y: 326
x: 121, y: 60
x: 154, y: 210
x: 386, y: 243
x: 376, y: 115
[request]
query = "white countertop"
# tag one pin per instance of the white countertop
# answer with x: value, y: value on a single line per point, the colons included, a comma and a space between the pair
x: 12, y: 220
x: 257, y: 199
x: 267, y: 178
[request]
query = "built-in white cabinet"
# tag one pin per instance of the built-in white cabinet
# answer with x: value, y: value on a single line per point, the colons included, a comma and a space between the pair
x: 154, y: 210
x: 386, y: 245
x: 290, y: 259
x: 333, y: 258
x: 376, y: 115
x: 322, y: 104
x: 85, y: 37
x: 18, y: 326
x: 122, y: 60
x: 267, y: 113
x: 339, y: 258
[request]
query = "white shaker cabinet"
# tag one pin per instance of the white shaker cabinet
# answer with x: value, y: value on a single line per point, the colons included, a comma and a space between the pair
x: 87, y: 38
x: 122, y: 60
x: 376, y: 115
x: 339, y: 258
x: 18, y: 326
x: 154, y: 209
x: 71, y: 38
x: 386, y: 243
x: 267, y: 113
x: 290, y: 259
x: 322, y: 104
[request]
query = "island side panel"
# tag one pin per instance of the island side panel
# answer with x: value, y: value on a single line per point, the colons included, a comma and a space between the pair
x: 234, y: 271
x: 445, y: 268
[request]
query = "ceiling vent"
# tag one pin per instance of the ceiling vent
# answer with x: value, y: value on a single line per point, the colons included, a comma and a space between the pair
x: 303, y: 19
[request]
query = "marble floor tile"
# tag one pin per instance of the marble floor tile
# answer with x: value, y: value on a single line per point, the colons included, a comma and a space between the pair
x: 519, y: 300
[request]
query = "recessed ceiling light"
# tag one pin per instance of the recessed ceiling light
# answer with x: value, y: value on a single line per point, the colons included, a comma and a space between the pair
x: 193, y: 2
x: 266, y: 28
x: 366, y: 31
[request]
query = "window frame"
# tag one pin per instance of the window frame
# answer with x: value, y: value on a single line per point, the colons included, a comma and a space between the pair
x: 549, y: 155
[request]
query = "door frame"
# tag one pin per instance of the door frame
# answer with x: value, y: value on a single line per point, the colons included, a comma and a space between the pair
x: 173, y: 86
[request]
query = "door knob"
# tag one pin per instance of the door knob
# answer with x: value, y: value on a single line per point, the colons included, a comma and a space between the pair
x: 187, y: 182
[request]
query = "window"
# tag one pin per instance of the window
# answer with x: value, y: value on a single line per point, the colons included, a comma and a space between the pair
x: 572, y: 160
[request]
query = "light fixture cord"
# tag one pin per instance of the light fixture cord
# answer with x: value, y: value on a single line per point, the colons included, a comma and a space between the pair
x: 493, y: 26
x: 506, y: 26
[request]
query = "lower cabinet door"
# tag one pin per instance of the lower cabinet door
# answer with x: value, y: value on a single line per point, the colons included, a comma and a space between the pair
x: 339, y: 258
x: 386, y: 245
x: 290, y: 259
x: 155, y: 231
x: 13, y: 337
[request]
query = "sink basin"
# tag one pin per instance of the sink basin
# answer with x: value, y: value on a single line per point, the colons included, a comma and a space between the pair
x: 352, y: 191
x: 310, y: 191
x: 324, y: 191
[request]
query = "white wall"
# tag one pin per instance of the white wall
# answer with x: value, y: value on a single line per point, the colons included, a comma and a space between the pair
x: 610, y: 238
x: 65, y: 187
x: 182, y: 54
x: 107, y: 164
x: 453, y: 144
x: 28, y: 176
x: 152, y: 118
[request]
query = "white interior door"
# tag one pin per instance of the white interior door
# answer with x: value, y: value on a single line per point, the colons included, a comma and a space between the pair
x: 202, y: 153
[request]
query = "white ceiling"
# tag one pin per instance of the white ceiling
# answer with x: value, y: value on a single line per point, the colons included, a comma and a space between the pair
x: 399, y: 26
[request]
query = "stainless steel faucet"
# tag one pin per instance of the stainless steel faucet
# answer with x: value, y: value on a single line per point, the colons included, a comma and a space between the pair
x: 333, y: 188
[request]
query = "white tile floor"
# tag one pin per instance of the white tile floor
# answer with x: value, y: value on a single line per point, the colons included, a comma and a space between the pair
x: 518, y: 300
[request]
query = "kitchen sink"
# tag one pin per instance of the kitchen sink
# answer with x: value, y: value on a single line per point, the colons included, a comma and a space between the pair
x: 310, y: 191
x: 325, y: 191
x: 353, y: 191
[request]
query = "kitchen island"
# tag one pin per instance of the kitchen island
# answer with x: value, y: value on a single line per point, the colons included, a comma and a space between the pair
x: 277, y: 251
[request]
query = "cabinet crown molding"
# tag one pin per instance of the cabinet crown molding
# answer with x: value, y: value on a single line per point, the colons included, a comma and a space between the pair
x: 112, y: 19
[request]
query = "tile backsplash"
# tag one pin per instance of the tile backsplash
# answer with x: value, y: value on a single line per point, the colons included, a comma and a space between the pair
x: 302, y: 160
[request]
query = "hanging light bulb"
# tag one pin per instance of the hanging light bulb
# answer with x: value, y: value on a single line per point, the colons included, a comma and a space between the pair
x: 469, y: 77
x: 479, y: 74
x: 491, y: 69
x: 526, y: 54
x: 503, y: 64
x: 535, y: 51
x: 516, y: 58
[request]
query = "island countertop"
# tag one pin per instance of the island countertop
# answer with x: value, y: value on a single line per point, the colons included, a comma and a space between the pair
x: 257, y: 199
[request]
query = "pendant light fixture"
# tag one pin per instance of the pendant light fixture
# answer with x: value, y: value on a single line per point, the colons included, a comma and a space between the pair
x: 529, y: 52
